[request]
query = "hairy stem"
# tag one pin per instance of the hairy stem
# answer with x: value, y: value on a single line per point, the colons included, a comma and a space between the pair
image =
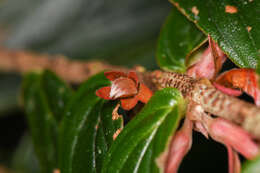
x: 200, y: 91
x: 212, y: 100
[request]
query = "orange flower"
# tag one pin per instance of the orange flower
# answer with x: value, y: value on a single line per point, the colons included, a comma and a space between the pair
x: 125, y: 87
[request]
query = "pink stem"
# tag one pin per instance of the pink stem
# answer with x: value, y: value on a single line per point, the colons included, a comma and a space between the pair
x: 232, y: 135
x: 228, y: 91
x: 179, y: 147
x: 234, y: 165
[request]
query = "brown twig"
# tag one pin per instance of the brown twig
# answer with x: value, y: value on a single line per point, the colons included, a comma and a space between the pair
x: 71, y: 71
x: 200, y: 91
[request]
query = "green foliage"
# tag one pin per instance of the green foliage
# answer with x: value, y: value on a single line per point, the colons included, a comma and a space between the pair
x: 87, y: 130
x: 106, y: 130
x: 147, y: 136
x: 229, y: 30
x: 74, y: 131
x: 56, y: 92
x: 252, y: 166
x: 24, y: 158
x: 41, y: 118
x: 178, y: 38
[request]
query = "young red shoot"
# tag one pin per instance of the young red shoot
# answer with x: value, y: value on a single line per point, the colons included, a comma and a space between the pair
x: 244, y: 79
x: 125, y: 87
x: 179, y: 147
x: 210, y: 63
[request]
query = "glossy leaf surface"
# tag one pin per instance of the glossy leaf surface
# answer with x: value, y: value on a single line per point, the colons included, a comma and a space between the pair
x: 146, y: 137
x: 234, y: 25
x: 105, y: 132
x: 87, y: 129
x: 57, y: 93
x: 44, y: 97
x: 41, y: 122
x: 178, y: 38
x: 24, y: 159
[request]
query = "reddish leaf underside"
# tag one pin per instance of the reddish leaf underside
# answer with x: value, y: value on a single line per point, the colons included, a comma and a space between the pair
x: 228, y: 91
x: 210, y: 63
x: 244, y: 79
x: 232, y: 135
x: 179, y: 147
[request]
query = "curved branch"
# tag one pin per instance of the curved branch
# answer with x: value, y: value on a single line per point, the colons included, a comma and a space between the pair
x: 200, y: 91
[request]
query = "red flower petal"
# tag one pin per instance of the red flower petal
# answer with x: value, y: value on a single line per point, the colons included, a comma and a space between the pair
x: 233, y: 161
x: 204, y: 68
x: 144, y: 93
x: 228, y: 91
x: 129, y: 103
x: 123, y: 87
x: 179, y: 147
x: 104, y: 92
x: 245, y: 79
x: 112, y: 75
x: 218, y: 55
x: 209, y: 64
x: 133, y: 75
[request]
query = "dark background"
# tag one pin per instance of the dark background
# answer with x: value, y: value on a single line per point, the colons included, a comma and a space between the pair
x: 120, y: 32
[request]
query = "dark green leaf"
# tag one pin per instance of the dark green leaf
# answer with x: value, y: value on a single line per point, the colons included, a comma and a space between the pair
x: 177, y: 39
x: 87, y: 129
x: 252, y: 166
x: 106, y: 129
x: 41, y: 122
x: 44, y: 97
x: 24, y: 159
x: 229, y: 30
x: 146, y: 137
x: 56, y: 92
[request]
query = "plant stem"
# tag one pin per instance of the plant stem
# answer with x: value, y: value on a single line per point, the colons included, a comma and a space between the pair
x: 200, y: 91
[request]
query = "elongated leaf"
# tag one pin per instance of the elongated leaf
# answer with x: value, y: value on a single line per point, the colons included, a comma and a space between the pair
x: 252, y: 166
x: 57, y: 93
x: 24, y: 159
x: 105, y: 133
x: 83, y: 130
x: 177, y: 39
x: 233, y: 24
x: 44, y: 97
x: 41, y: 121
x: 146, y: 137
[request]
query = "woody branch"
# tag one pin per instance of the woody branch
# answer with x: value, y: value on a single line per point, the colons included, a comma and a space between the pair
x: 200, y: 91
